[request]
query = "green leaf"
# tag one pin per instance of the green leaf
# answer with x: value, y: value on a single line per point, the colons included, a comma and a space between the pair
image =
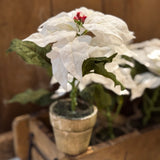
x: 96, y: 94
x: 97, y: 65
x: 29, y: 96
x: 138, y: 67
x: 45, y: 100
x: 31, y: 53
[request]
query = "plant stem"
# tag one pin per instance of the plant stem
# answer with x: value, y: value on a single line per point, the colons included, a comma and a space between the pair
x: 110, y: 123
x: 120, y: 103
x: 73, y: 95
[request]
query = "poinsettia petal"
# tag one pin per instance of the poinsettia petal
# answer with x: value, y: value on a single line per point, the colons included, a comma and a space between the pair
x: 74, y: 53
x: 58, y: 23
x: 42, y: 40
x: 96, y: 51
x: 123, y: 75
x: 148, y: 53
x: 59, y: 71
x: 106, y: 82
x: 108, y: 28
x: 143, y: 81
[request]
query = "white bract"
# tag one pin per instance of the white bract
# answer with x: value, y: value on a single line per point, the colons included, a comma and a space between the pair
x: 148, y: 53
x: 143, y: 81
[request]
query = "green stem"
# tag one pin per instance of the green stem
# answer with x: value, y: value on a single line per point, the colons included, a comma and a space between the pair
x: 85, y: 32
x: 73, y: 95
x: 120, y: 103
x: 110, y: 123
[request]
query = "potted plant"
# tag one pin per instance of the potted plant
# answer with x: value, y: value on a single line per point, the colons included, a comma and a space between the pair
x: 80, y: 43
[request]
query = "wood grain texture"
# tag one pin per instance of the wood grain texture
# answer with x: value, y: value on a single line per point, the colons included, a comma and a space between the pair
x: 68, y: 5
x: 18, y: 20
x: 114, y: 7
x: 6, y: 146
x: 42, y: 141
x: 35, y: 155
x: 21, y: 129
x: 142, y: 17
x: 145, y: 146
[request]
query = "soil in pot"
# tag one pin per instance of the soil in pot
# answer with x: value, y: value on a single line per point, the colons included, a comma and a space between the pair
x: 63, y: 108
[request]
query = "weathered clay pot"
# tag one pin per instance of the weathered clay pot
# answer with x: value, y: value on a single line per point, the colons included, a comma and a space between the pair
x: 72, y: 135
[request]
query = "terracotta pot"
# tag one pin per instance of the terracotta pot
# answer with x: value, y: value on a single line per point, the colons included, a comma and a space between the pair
x: 72, y: 135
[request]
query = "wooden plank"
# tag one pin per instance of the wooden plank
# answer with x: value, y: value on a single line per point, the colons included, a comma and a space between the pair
x: 121, y: 148
x: 142, y: 18
x: 145, y: 146
x: 18, y: 20
x: 35, y: 155
x: 68, y: 5
x: 114, y: 7
x: 43, y: 142
x: 6, y: 146
x: 140, y: 15
x: 21, y: 136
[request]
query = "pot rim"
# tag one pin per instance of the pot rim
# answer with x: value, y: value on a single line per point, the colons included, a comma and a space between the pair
x: 95, y: 110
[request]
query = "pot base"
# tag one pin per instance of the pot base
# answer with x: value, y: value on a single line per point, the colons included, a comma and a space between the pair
x: 72, y: 143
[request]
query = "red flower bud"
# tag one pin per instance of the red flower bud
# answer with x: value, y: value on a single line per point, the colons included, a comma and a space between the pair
x: 80, y: 17
x: 75, y: 18
x: 83, y: 18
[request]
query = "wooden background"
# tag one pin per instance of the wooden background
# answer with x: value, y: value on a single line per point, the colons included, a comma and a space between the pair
x: 19, y: 18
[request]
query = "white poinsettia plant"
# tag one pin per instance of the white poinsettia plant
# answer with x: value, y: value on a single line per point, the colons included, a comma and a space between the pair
x: 84, y: 41
x: 84, y: 46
